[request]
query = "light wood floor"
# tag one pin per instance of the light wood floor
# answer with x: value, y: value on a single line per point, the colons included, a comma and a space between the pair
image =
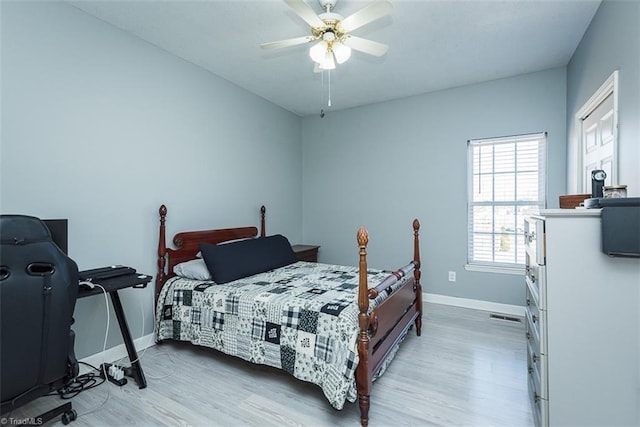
x: 465, y: 370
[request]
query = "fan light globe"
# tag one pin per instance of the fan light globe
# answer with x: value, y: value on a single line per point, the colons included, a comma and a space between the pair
x: 318, y: 51
x: 328, y: 63
x: 341, y: 51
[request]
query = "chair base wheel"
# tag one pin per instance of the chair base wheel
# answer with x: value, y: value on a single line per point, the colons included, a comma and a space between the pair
x: 69, y: 416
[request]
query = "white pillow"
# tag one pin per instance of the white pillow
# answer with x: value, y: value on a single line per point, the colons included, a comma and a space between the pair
x: 195, y: 269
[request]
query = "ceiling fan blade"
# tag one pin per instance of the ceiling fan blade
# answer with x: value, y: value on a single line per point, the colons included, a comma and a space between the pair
x: 288, y: 42
x: 305, y: 12
x: 366, y: 46
x: 368, y: 14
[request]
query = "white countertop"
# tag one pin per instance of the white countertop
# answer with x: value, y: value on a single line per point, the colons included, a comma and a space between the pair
x: 578, y: 212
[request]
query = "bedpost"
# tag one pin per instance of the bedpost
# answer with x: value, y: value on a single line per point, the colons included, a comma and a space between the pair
x: 417, y: 274
x: 263, y: 231
x: 363, y: 372
x: 162, y: 251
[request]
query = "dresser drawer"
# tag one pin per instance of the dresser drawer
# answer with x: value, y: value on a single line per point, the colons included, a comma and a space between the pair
x: 535, y: 277
x: 539, y: 405
x: 536, y: 323
x: 537, y: 368
x: 534, y: 336
x: 534, y: 239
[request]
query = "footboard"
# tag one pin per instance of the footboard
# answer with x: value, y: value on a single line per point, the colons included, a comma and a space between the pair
x: 384, y: 327
x: 389, y: 321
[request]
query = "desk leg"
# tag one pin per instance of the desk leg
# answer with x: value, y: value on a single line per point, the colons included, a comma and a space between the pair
x: 136, y: 368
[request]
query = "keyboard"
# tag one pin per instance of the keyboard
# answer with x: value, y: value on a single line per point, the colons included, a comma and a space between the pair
x: 106, y: 272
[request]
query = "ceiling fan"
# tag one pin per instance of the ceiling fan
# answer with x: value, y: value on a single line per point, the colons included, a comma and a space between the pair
x: 333, y: 32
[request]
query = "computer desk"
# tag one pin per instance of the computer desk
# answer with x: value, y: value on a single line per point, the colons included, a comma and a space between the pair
x: 112, y: 286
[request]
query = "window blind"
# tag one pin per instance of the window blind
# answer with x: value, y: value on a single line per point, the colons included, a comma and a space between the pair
x: 506, y: 179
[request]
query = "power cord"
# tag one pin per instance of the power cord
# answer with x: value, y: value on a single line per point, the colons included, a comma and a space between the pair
x: 81, y: 383
x: 142, y: 353
x: 106, y: 331
x: 116, y: 372
x: 102, y: 371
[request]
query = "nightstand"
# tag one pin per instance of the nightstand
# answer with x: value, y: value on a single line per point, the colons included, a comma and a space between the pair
x: 306, y: 252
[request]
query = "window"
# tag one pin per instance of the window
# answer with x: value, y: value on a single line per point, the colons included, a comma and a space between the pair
x: 506, y: 179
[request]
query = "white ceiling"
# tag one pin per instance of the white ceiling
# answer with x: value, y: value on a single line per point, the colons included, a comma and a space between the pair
x: 433, y: 44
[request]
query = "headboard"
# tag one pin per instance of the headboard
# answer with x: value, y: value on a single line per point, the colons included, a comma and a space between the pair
x: 187, y: 244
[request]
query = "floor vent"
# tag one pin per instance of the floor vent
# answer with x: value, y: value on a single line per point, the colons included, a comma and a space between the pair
x: 503, y: 317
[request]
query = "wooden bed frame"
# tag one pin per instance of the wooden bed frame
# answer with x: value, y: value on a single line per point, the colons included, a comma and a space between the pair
x: 380, y: 331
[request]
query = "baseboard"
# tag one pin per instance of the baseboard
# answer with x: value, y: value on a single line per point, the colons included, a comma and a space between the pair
x: 115, y: 353
x: 494, y: 307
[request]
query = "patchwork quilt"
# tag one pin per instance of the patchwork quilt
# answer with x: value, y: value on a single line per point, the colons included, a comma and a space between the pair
x: 302, y: 318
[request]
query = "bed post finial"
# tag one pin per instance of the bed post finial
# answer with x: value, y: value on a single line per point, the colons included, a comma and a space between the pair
x: 162, y: 250
x: 363, y: 371
x: 363, y: 299
x: 363, y: 238
x: 263, y: 228
x: 417, y: 274
x: 416, y: 241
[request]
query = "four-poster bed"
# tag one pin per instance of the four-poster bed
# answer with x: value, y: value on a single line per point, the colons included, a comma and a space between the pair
x: 335, y: 326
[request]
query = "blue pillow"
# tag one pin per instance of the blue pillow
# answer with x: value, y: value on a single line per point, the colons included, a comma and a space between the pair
x: 245, y: 258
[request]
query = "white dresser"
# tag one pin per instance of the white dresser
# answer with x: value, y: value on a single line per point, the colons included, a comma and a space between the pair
x: 583, y: 323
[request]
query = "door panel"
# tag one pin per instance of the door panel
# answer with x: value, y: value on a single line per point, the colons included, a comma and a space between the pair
x: 598, y: 147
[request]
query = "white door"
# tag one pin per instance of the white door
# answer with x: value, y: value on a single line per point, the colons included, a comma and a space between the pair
x: 598, y: 143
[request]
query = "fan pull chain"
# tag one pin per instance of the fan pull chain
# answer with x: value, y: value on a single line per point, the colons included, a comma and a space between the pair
x: 321, y: 94
x: 328, y: 91
x: 329, y: 84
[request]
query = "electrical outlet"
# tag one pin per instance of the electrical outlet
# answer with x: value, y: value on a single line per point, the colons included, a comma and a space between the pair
x: 452, y: 276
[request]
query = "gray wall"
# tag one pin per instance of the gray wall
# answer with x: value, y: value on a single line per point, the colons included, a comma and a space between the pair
x: 384, y: 164
x: 612, y: 42
x: 101, y: 128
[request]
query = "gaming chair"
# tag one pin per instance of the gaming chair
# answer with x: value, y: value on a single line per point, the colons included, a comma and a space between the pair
x: 38, y: 290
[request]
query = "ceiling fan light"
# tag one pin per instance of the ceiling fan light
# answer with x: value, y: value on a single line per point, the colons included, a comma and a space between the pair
x: 328, y: 36
x: 318, y: 51
x: 342, y: 52
x: 328, y: 63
